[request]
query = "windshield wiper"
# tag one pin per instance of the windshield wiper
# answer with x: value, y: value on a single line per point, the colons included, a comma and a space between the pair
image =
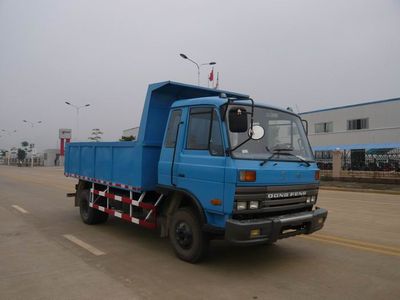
x: 278, y: 151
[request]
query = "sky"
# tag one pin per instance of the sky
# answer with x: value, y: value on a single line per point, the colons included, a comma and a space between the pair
x: 306, y: 54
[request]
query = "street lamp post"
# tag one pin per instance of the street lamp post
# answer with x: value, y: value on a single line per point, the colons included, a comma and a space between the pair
x: 184, y: 56
x: 9, y: 132
x: 77, y: 108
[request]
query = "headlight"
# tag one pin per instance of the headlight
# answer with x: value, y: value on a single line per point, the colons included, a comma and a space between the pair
x: 241, y: 205
x: 253, y: 205
x: 311, y: 199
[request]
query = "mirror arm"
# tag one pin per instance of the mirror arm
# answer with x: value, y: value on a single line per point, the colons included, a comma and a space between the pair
x: 242, y: 143
x: 251, y: 123
x: 226, y: 109
x: 232, y: 100
x: 252, y: 116
x: 305, y: 122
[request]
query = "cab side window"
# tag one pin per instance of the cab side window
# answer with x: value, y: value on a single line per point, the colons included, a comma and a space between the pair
x: 216, y: 146
x: 172, y: 129
x: 204, y: 132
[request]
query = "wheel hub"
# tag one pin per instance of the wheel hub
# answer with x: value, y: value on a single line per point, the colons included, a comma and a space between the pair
x: 184, y: 235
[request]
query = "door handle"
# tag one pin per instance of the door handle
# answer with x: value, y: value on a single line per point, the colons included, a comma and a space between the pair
x: 181, y: 175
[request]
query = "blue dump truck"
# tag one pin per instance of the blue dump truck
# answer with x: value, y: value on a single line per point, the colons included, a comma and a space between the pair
x: 207, y: 164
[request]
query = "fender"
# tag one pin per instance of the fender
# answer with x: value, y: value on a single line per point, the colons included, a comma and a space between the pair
x: 164, y: 189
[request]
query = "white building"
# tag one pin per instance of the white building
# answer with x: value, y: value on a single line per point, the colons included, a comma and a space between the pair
x: 370, y: 125
x: 131, y: 132
x: 51, y: 157
x: 367, y: 134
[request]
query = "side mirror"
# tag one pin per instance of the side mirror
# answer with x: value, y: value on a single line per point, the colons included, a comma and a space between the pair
x: 305, y: 125
x: 238, y: 120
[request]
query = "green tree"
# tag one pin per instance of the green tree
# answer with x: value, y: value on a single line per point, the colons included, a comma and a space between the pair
x: 96, y: 135
x: 127, y: 138
x: 21, y: 154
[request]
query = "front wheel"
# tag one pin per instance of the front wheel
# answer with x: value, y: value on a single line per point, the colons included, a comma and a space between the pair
x: 189, y: 242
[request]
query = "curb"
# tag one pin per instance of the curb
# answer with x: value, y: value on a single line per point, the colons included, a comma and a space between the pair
x: 358, y: 190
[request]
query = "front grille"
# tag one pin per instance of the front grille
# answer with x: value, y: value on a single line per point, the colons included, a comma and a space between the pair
x: 276, y: 200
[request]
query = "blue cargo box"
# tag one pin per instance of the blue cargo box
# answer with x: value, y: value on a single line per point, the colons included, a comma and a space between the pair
x: 133, y: 165
x: 113, y: 163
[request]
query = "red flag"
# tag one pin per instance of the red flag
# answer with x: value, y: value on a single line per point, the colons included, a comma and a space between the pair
x: 211, y: 76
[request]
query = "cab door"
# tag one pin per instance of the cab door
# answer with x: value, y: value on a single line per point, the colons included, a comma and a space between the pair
x: 171, y: 145
x: 200, y: 164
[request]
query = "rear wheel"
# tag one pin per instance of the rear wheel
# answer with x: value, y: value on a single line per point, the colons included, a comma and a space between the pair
x: 90, y: 215
x: 189, y: 242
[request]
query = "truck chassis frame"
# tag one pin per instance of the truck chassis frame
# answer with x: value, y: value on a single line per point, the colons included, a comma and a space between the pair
x: 96, y: 194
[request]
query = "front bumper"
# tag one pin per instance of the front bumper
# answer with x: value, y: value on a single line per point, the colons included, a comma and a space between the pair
x: 274, y: 228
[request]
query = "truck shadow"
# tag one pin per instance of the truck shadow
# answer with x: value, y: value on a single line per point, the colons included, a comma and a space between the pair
x: 222, y: 257
x: 236, y: 257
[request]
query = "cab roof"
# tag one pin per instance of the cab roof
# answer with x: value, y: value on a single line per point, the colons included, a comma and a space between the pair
x: 218, y: 101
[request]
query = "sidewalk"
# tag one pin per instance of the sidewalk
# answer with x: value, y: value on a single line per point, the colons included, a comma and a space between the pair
x: 361, y: 187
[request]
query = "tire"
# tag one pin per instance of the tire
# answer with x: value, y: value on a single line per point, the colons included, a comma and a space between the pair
x: 189, y: 242
x: 90, y: 215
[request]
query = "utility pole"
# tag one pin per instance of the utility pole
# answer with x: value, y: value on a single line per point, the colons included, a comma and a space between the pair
x: 77, y: 108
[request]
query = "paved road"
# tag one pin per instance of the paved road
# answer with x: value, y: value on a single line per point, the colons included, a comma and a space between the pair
x: 46, y: 252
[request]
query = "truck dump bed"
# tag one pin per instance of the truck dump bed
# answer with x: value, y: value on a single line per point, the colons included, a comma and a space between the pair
x: 112, y: 163
x: 133, y: 165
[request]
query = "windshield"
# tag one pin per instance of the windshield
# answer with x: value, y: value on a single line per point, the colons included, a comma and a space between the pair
x: 273, y: 131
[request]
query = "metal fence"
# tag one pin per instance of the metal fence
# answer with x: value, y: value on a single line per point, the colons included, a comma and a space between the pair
x: 383, y: 160
x: 324, y: 159
x: 386, y: 160
x: 37, y: 162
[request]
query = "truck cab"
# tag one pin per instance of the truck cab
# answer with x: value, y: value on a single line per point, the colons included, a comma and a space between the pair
x: 249, y: 167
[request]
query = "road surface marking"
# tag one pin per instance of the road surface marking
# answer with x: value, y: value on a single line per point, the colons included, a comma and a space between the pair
x: 20, y: 209
x: 381, y: 249
x: 84, y: 245
x: 361, y: 243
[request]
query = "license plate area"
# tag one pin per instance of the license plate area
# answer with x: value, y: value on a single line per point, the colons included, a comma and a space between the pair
x: 291, y: 230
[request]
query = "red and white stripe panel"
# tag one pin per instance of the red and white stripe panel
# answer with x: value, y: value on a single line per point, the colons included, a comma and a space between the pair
x: 120, y: 185
x: 123, y: 199
x: 124, y: 216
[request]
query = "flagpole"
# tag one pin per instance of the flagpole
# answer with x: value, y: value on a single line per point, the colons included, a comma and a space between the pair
x: 217, y: 81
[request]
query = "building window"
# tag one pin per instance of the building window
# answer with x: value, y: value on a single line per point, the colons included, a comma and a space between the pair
x: 324, y: 127
x: 357, y: 124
